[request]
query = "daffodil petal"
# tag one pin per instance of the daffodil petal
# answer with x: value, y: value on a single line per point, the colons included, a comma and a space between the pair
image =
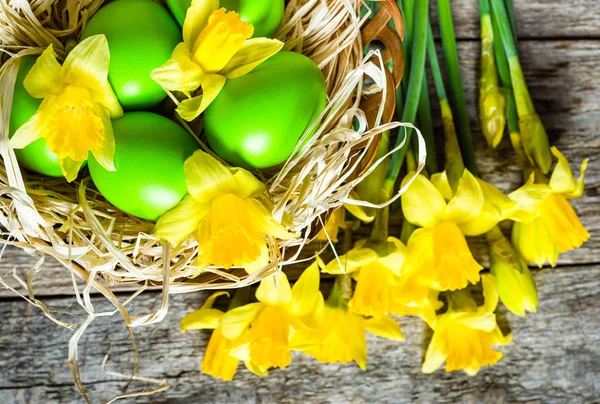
x: 423, y: 205
x: 70, y: 168
x: 305, y: 292
x: 385, y: 327
x: 440, y: 181
x: 246, y: 184
x: 196, y: 19
x: 275, y: 290
x: 578, y: 191
x: 265, y: 222
x: 87, y: 64
x: 490, y: 292
x: 105, y: 153
x: 206, y: 177
x: 44, y: 78
x: 212, y: 85
x: 528, y: 199
x: 182, y: 221
x: 211, y: 299
x: 179, y: 73
x: 202, y: 319
x: 31, y: 130
x: 483, y: 320
x: 562, y: 180
x: 352, y: 261
x: 252, y: 53
x: 237, y: 320
x: 496, y: 207
x: 467, y: 202
x: 437, y: 353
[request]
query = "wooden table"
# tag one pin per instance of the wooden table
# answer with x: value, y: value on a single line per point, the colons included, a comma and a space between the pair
x: 555, y: 354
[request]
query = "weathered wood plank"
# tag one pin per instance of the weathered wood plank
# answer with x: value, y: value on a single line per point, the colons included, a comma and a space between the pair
x: 535, y: 18
x: 565, y: 84
x: 554, y: 357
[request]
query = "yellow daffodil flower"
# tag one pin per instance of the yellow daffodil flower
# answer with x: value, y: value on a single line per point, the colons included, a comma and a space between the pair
x: 375, y: 275
x: 464, y: 334
x: 438, y: 252
x: 269, y: 322
x: 340, y: 334
x: 223, y: 212
x: 492, y: 112
x: 516, y: 286
x: 215, y: 47
x: 555, y: 228
x: 222, y: 355
x: 382, y: 285
x: 78, y: 103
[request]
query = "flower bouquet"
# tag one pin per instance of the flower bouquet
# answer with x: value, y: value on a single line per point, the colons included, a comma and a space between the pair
x: 200, y: 144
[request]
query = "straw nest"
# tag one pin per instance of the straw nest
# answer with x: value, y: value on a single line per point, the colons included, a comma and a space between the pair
x: 105, y: 247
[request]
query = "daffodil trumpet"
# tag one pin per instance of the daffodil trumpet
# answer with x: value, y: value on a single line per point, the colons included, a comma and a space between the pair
x: 78, y: 104
x: 226, y: 213
x: 217, y: 46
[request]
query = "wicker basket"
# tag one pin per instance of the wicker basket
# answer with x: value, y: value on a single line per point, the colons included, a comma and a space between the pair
x: 107, y: 248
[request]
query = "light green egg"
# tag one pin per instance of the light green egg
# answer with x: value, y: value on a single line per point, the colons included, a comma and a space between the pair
x: 141, y: 36
x: 150, y: 151
x: 36, y: 156
x: 264, y: 15
x: 257, y: 119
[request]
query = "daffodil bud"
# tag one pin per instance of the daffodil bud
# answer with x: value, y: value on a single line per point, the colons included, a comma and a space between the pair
x: 533, y: 133
x: 535, y: 141
x: 516, y: 286
x: 454, y: 162
x: 492, y: 103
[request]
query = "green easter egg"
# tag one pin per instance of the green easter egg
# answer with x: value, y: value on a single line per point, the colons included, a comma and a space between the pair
x: 257, y: 119
x: 141, y: 37
x: 36, y: 156
x: 264, y: 15
x: 150, y: 151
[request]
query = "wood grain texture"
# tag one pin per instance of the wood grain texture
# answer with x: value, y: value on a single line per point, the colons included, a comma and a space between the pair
x: 554, y: 358
x: 555, y: 354
x: 565, y: 84
x: 536, y: 19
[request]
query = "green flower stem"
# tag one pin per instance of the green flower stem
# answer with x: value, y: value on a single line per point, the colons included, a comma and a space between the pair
x: 457, y: 95
x: 426, y: 127
x: 417, y: 68
x: 505, y: 81
x: 454, y: 162
x: 511, y: 17
x: 533, y: 133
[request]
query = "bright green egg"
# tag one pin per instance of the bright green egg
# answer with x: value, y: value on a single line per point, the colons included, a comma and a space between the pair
x: 264, y: 15
x: 257, y: 119
x: 150, y: 151
x: 36, y: 157
x: 141, y: 37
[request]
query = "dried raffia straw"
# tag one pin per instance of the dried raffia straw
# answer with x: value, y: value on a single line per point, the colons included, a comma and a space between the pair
x: 107, y: 248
